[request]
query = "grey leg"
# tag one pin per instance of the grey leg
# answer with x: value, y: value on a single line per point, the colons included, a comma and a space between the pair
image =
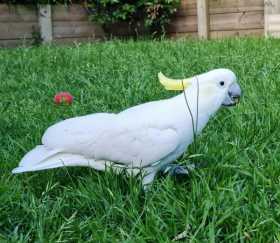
x: 148, y: 180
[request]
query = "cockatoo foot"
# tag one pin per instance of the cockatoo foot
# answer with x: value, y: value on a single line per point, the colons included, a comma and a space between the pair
x: 176, y: 170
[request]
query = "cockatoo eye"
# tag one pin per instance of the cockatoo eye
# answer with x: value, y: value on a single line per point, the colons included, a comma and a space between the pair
x: 222, y: 83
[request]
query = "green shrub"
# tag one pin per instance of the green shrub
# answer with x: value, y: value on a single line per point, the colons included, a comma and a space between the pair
x: 154, y: 14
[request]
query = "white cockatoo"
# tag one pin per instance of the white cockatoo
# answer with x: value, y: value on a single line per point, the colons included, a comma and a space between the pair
x: 145, y: 138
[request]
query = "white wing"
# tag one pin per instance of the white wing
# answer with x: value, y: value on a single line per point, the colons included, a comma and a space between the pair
x: 114, y: 138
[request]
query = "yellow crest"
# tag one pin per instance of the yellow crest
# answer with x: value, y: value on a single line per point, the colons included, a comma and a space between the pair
x: 174, y: 84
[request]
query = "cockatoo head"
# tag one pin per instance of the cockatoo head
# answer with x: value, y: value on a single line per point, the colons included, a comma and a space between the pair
x: 220, y: 86
x: 215, y: 88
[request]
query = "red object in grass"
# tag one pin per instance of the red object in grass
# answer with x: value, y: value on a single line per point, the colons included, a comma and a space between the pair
x: 63, y: 97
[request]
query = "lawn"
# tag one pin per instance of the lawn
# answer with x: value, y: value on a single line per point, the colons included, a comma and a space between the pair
x: 235, y: 198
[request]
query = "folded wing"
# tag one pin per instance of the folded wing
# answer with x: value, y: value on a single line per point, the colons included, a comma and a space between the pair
x: 113, y: 138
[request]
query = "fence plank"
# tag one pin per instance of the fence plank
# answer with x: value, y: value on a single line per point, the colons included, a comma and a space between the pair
x: 17, y: 13
x: 75, y: 40
x: 272, y: 16
x: 235, y: 33
x: 183, y: 35
x: 74, y: 12
x: 16, y: 30
x: 237, y: 21
x: 15, y: 43
x: 203, y: 19
x: 187, y: 8
x: 45, y: 23
x: 233, y: 6
x: 62, y: 29
x: 274, y: 24
x: 183, y: 24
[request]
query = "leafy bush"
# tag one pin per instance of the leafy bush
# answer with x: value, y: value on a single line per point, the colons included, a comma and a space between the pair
x: 154, y: 14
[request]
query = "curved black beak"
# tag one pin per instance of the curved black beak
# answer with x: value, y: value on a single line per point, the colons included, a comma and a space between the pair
x: 234, y: 94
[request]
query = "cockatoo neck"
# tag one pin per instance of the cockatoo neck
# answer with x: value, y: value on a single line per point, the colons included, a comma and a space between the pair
x: 198, y: 105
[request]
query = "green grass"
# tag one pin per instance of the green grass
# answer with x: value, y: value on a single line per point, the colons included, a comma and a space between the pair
x: 236, y: 198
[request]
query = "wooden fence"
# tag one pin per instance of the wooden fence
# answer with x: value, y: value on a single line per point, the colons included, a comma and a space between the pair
x: 225, y: 18
x: 202, y: 18
x: 26, y: 24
